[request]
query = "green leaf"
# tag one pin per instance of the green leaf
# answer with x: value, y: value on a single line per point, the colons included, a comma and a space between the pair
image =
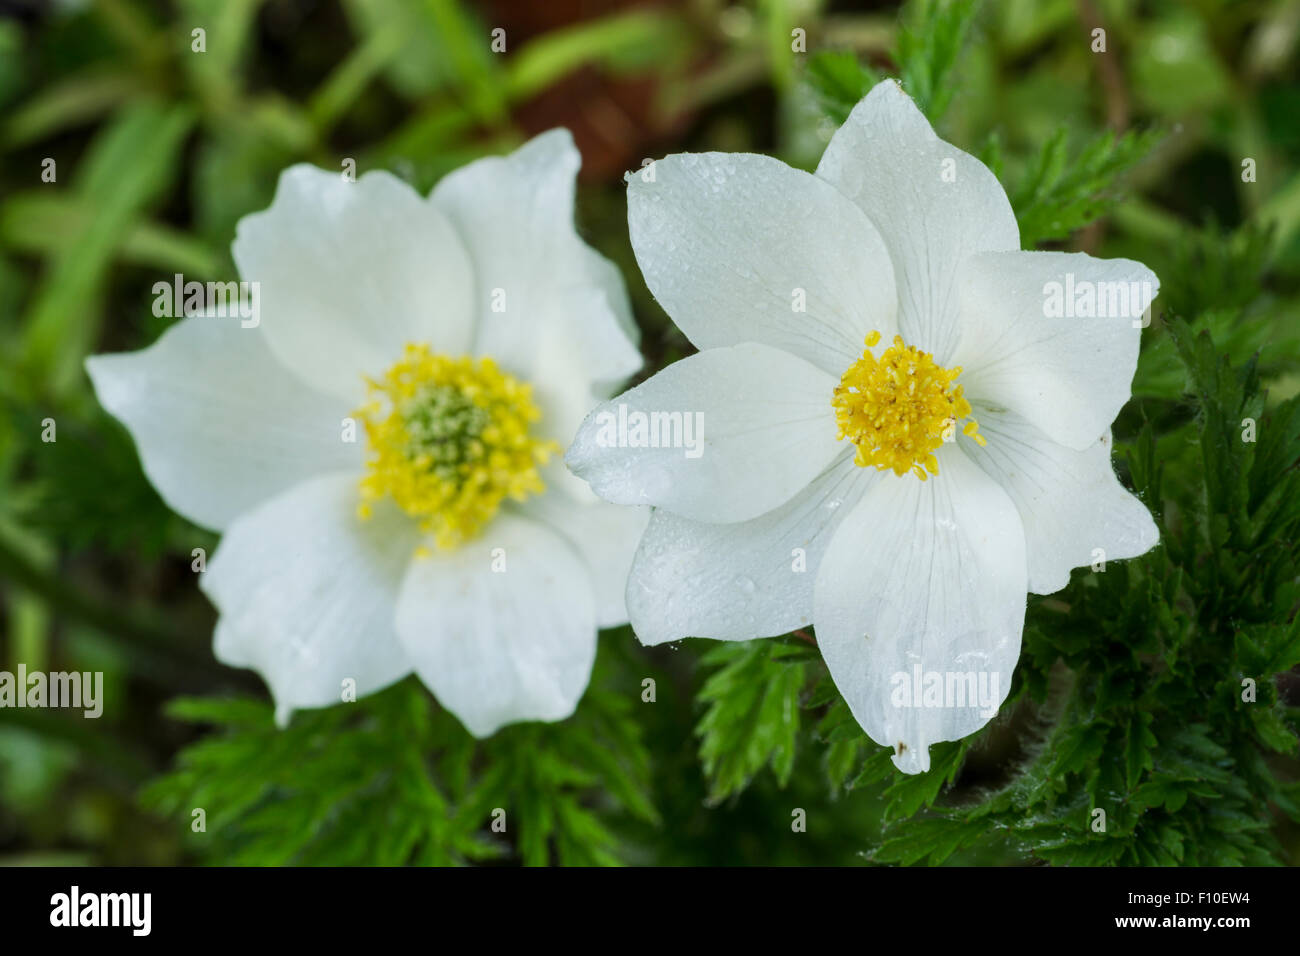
x: 1138, y: 742
x: 932, y: 840
x: 1216, y: 269
x: 838, y: 81
x: 546, y: 776
x: 128, y: 166
x: 928, y: 48
x: 1274, y: 731
x: 228, y: 26
x: 752, y: 715
x: 929, y: 45
x: 1061, y: 192
x: 629, y: 42
x: 67, y: 103
x: 910, y: 792
x: 41, y: 222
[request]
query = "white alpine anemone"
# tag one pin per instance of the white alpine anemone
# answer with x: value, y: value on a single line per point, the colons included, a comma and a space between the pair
x: 380, y: 453
x: 903, y: 429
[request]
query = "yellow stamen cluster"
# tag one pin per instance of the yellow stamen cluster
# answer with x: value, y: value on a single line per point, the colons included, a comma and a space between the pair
x: 449, y: 442
x: 899, y: 408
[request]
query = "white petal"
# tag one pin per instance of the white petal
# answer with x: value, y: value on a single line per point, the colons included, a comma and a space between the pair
x: 610, y: 278
x: 933, y: 204
x: 742, y: 248
x: 1070, y: 502
x: 220, y: 425
x: 1068, y: 375
x: 504, y: 635
x: 923, y: 575
x: 759, y: 423
x: 606, y: 536
x: 551, y: 310
x: 570, y: 364
x: 350, y: 272
x: 734, y: 582
x: 307, y: 591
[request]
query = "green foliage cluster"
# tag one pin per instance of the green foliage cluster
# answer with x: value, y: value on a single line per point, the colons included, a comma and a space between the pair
x: 1064, y: 192
x: 393, y: 779
x: 927, y: 49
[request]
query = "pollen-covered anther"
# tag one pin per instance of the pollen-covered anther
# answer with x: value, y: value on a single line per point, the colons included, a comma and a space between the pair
x: 450, y: 440
x: 900, y: 407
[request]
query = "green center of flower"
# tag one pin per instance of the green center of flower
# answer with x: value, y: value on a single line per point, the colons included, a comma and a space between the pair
x: 444, y: 428
x: 450, y: 441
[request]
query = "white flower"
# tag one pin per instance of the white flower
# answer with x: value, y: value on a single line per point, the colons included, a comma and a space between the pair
x: 372, y: 453
x: 808, y: 501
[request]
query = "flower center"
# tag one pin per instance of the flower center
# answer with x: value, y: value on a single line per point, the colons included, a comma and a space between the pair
x: 899, y: 408
x: 449, y: 442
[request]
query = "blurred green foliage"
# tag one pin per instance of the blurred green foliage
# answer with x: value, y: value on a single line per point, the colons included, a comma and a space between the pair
x: 1127, y: 697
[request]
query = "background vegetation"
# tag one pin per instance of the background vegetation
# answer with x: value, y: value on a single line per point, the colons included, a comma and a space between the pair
x: 1128, y: 694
